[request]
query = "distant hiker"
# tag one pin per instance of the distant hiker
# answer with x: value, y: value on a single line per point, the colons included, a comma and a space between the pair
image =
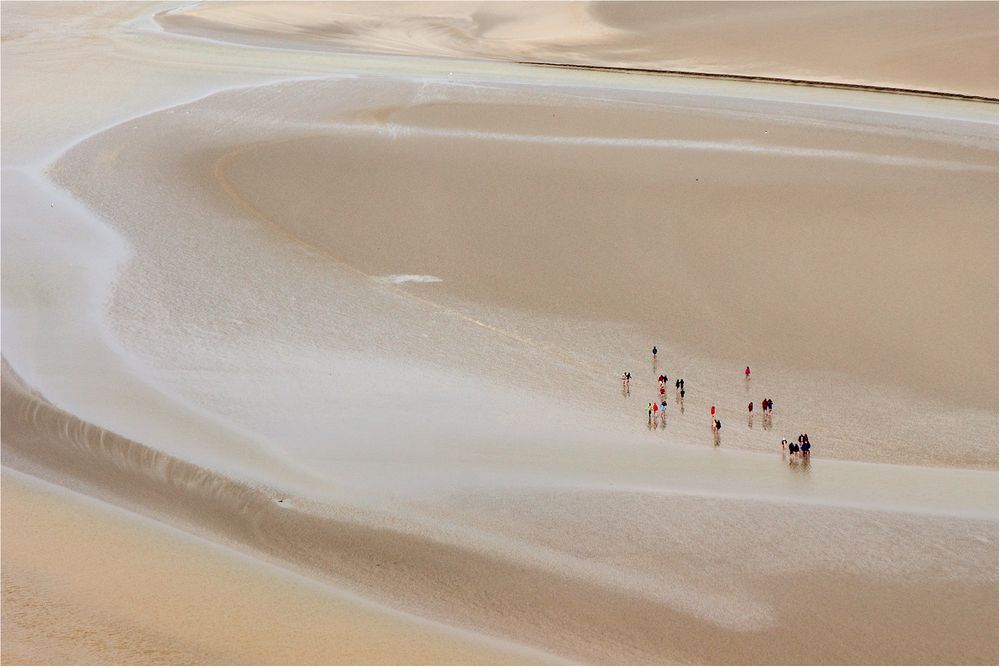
x: 750, y: 408
x: 713, y: 412
x: 654, y: 354
x: 649, y: 413
x: 682, y: 394
x: 747, y: 373
x: 682, y: 384
x: 716, y: 427
x: 763, y: 405
x: 663, y: 413
x: 805, y: 448
x: 793, y: 450
x: 677, y: 383
x: 770, y: 405
x: 663, y: 391
x: 784, y: 445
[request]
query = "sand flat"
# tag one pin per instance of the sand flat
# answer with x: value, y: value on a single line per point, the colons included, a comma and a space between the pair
x: 783, y: 231
x: 624, y: 217
x: 219, y: 317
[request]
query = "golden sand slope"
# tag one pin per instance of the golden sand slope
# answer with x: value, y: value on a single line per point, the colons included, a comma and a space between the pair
x: 87, y: 582
x: 83, y: 582
x: 943, y: 46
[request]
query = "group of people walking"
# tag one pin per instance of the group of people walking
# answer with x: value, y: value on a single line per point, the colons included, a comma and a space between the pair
x: 798, y: 449
x: 656, y: 411
x: 766, y: 406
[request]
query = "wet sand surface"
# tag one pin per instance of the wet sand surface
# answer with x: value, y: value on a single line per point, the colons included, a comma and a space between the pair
x: 349, y: 327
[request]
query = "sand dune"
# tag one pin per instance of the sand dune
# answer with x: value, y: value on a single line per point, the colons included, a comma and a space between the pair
x: 339, y: 334
x: 875, y: 43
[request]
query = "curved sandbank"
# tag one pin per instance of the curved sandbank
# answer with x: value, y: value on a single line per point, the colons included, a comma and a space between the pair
x: 949, y: 47
x: 701, y: 223
x: 553, y: 605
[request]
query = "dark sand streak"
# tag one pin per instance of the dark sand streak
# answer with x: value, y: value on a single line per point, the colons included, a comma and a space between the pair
x: 769, y: 79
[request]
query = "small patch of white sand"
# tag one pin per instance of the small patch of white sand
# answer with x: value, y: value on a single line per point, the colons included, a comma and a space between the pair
x: 407, y: 278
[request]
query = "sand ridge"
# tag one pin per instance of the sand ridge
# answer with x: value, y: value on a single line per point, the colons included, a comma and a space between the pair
x: 872, y: 43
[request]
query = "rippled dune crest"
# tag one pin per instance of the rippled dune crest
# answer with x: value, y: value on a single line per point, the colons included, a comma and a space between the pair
x: 314, y: 316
